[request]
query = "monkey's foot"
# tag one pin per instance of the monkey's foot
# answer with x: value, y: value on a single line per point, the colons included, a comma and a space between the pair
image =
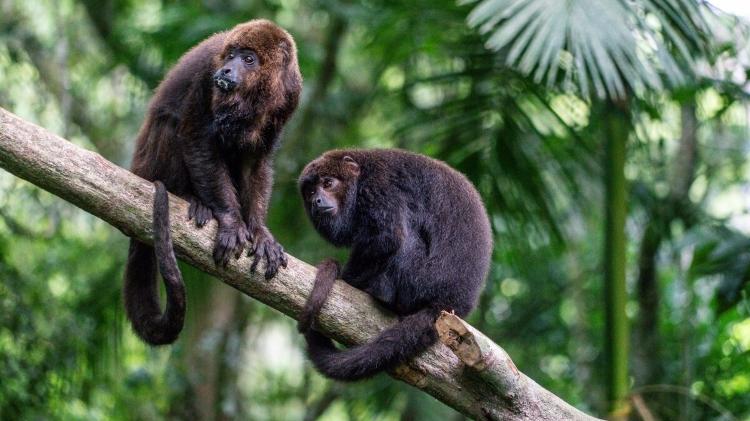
x: 199, y: 212
x: 265, y: 246
x: 230, y: 240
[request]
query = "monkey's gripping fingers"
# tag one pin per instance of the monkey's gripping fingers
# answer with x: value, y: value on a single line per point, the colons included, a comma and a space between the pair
x: 199, y: 212
x: 265, y: 246
x: 230, y: 241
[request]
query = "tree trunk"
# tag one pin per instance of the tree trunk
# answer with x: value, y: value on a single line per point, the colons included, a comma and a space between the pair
x: 491, y: 389
x: 210, y: 365
x: 615, y: 247
x: 647, y: 362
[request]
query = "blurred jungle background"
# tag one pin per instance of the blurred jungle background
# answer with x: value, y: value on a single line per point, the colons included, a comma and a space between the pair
x: 609, y: 140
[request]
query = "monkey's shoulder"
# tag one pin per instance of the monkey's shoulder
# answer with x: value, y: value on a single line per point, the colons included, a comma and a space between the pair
x: 192, y: 71
x: 407, y: 175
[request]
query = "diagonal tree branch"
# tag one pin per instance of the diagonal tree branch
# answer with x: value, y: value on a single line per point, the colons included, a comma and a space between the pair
x: 484, y: 385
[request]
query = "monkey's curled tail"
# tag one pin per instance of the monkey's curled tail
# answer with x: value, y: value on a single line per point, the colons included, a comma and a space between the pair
x: 393, y: 346
x: 140, y: 291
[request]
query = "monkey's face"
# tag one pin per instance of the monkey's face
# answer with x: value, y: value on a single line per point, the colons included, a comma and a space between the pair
x: 238, y: 65
x: 328, y: 188
x: 256, y: 84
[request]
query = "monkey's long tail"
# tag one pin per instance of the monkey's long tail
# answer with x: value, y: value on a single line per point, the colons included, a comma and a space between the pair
x: 328, y: 271
x: 393, y: 346
x: 140, y: 291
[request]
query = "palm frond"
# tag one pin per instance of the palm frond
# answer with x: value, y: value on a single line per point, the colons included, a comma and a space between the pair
x: 721, y: 252
x: 603, y: 47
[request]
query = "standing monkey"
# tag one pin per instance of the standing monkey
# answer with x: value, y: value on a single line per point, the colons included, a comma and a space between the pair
x: 420, y: 243
x: 209, y: 137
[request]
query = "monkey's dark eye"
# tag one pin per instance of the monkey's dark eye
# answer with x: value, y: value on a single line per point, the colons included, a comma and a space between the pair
x: 249, y: 59
x: 327, y: 183
x: 230, y: 56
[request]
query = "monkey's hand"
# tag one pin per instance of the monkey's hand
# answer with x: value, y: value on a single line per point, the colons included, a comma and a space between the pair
x: 199, y: 212
x: 230, y: 239
x: 265, y: 246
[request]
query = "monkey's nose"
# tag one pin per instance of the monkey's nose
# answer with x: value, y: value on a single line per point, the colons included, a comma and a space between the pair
x: 224, y: 80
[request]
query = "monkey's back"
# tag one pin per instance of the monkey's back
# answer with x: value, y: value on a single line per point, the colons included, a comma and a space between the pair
x: 447, y: 216
x: 196, y: 65
x: 156, y: 154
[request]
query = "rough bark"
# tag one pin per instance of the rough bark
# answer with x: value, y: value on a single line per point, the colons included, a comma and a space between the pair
x: 496, y: 391
x: 514, y: 395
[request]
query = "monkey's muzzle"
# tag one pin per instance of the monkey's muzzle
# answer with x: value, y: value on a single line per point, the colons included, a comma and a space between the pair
x: 319, y: 211
x: 224, y: 84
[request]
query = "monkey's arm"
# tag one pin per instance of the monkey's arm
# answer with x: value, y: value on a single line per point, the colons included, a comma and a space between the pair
x: 385, y: 235
x: 255, y: 193
x: 213, y: 186
x: 369, y: 259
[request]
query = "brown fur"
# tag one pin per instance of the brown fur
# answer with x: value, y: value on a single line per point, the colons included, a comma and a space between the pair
x: 328, y: 271
x: 420, y: 243
x: 214, y: 147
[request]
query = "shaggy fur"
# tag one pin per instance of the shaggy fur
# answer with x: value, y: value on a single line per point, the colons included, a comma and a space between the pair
x: 328, y: 271
x: 420, y: 243
x: 212, y: 147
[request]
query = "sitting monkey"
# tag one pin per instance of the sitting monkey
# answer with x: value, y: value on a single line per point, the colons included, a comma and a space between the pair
x: 209, y: 137
x: 420, y: 243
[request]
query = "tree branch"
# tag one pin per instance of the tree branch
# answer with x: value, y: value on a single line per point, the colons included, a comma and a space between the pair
x: 350, y: 316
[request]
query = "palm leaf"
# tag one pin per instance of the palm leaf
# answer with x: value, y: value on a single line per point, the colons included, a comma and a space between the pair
x: 604, y: 47
x: 721, y: 252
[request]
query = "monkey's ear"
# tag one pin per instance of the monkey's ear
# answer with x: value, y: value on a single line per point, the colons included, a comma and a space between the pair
x: 286, y: 52
x: 290, y: 77
x: 351, y: 165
